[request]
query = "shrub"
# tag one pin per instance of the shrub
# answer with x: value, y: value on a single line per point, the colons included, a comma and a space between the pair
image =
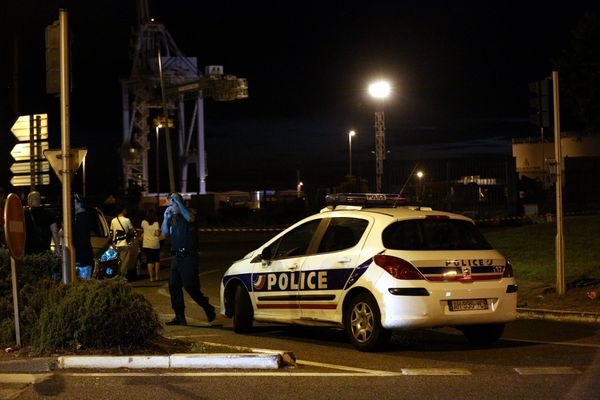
x: 95, y: 314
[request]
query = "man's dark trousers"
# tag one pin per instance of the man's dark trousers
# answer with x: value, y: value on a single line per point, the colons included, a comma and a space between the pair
x: 184, y: 274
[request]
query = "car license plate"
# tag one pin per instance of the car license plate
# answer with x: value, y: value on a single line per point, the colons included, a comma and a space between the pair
x: 468, y: 305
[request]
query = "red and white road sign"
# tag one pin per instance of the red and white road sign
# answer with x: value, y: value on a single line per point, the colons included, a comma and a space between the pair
x: 14, y: 226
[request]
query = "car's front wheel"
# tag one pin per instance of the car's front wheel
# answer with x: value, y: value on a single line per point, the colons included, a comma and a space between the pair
x: 483, y: 334
x: 243, y: 313
x: 363, y: 323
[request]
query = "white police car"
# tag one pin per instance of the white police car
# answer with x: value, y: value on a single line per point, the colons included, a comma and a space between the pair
x: 370, y: 267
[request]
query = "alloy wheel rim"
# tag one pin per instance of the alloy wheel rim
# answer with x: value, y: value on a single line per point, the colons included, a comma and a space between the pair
x: 362, y: 322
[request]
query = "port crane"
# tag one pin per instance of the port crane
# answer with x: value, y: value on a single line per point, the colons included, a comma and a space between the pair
x: 166, y: 90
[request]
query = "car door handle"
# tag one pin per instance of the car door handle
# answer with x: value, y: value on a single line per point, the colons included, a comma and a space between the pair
x: 293, y: 267
x: 345, y: 260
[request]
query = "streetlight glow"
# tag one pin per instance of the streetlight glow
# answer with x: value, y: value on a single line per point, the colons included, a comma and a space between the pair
x: 420, y: 174
x: 350, y: 134
x: 380, y: 89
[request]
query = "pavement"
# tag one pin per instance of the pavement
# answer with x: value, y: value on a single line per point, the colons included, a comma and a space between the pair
x: 230, y: 358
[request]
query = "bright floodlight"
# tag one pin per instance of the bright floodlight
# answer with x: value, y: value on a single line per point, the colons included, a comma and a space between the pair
x: 379, y: 89
x: 420, y: 174
x: 351, y: 133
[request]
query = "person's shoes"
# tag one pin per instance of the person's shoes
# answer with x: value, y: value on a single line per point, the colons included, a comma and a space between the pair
x: 177, y: 321
x: 210, y: 314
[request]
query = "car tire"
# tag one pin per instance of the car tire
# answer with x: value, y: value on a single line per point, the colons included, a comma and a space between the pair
x: 243, y: 313
x: 483, y: 334
x: 363, y: 324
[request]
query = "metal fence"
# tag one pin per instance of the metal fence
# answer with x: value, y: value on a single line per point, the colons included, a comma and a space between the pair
x: 480, y: 187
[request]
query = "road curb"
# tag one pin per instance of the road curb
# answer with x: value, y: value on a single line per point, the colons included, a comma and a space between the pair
x: 554, y: 315
x: 253, y: 360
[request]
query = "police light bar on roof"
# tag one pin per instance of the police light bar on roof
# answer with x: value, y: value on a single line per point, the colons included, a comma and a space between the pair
x: 365, y: 199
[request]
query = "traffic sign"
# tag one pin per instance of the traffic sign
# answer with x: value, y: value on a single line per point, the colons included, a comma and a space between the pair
x: 55, y: 159
x: 14, y: 226
x: 22, y: 151
x: 25, y: 123
x: 25, y: 180
x: 25, y: 167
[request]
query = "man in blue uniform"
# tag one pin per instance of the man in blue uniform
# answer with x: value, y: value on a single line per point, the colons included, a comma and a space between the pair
x: 179, y: 224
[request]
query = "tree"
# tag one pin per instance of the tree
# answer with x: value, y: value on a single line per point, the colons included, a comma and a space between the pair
x: 579, y: 69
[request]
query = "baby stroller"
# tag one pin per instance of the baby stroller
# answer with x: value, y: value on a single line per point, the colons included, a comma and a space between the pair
x: 108, y: 265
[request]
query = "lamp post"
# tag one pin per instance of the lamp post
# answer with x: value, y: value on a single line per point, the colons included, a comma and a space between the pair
x: 350, y: 134
x: 420, y: 175
x: 158, y: 126
x: 379, y: 90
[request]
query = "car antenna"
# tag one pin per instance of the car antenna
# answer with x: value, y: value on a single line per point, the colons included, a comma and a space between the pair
x: 406, y: 182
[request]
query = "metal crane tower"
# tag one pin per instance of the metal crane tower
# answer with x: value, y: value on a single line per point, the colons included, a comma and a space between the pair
x: 166, y: 86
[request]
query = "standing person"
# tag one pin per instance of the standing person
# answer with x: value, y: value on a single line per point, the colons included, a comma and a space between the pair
x: 40, y: 226
x: 179, y: 224
x: 84, y: 255
x: 121, y: 226
x: 151, y: 244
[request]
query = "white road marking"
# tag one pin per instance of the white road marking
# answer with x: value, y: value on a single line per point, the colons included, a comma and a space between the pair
x: 23, y: 378
x: 554, y: 343
x: 547, y: 371
x: 362, y: 371
x: 436, y: 371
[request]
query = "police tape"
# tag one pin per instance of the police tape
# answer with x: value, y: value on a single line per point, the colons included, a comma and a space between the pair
x: 273, y: 229
x: 547, y: 217
x: 529, y: 218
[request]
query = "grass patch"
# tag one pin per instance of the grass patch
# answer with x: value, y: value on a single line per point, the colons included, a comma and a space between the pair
x: 531, y: 249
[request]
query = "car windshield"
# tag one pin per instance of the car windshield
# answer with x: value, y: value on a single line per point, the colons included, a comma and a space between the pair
x: 434, y: 234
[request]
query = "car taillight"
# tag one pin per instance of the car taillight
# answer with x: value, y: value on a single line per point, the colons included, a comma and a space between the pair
x: 397, y: 267
x: 508, y: 271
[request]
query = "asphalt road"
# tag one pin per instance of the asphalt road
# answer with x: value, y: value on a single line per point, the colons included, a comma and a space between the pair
x: 535, y: 359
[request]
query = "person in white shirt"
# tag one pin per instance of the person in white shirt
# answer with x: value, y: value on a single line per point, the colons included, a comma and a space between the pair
x: 120, y: 227
x: 151, y: 244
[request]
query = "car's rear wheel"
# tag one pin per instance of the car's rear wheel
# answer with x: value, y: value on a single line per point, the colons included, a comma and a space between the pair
x: 363, y: 324
x: 243, y: 313
x: 483, y: 334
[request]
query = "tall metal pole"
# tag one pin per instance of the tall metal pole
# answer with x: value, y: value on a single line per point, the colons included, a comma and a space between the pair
x: 167, y: 133
x: 158, y: 167
x: 201, y: 145
x: 68, y: 264
x: 379, y: 148
x: 560, y: 243
x: 350, y: 134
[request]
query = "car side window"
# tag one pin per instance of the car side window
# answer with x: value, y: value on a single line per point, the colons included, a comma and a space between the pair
x: 405, y: 235
x: 295, y: 243
x: 342, y: 233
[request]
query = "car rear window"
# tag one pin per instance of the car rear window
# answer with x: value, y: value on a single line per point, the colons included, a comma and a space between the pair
x: 434, y: 234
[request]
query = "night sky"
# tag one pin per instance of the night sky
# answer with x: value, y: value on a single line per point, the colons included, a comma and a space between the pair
x: 459, y: 71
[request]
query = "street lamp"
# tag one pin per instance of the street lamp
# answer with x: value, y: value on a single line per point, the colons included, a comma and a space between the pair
x: 420, y: 175
x: 158, y: 126
x: 350, y: 134
x: 379, y: 90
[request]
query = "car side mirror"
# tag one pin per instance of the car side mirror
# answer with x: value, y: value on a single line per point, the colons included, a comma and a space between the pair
x: 266, y: 254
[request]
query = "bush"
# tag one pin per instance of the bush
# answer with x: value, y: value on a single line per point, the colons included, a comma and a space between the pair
x: 95, y: 314
x: 31, y: 269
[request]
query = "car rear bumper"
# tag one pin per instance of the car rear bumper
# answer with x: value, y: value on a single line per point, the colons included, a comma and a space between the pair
x: 436, y: 309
